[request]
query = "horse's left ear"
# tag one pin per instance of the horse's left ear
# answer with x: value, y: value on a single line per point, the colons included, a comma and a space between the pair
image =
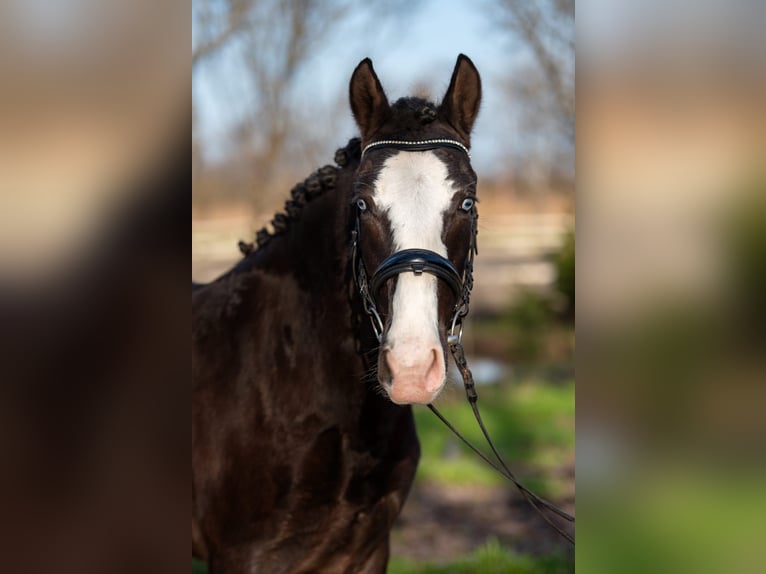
x: 460, y: 105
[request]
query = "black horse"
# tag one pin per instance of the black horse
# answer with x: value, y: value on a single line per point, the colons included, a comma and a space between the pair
x: 303, y: 441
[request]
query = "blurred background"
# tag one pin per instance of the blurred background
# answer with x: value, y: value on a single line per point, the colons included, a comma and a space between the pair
x: 671, y: 282
x: 270, y: 85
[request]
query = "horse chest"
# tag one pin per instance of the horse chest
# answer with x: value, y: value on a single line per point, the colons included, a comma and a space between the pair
x: 313, y: 497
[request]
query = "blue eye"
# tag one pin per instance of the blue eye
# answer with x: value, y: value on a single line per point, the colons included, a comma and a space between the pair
x: 467, y: 204
x: 361, y: 205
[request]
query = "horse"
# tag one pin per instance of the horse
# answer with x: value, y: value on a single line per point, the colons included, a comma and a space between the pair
x: 308, y: 354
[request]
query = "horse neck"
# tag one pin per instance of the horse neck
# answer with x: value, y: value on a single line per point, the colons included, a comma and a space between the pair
x: 314, y: 253
x: 314, y: 248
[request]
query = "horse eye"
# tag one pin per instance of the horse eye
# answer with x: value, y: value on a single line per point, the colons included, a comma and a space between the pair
x: 361, y: 205
x: 467, y: 204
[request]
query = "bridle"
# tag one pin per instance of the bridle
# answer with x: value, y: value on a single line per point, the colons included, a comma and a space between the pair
x: 419, y: 261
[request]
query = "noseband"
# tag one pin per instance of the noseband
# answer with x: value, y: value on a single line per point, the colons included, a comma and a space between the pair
x: 417, y: 261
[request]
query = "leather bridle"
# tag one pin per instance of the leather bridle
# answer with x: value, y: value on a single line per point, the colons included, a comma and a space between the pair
x: 419, y: 261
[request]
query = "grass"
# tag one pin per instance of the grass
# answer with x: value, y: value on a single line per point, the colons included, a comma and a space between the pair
x: 492, y: 558
x: 531, y: 423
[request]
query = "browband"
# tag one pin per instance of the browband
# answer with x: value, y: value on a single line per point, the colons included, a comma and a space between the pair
x: 418, y: 261
x: 422, y: 145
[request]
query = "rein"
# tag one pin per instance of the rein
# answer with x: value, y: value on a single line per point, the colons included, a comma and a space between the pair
x: 419, y: 261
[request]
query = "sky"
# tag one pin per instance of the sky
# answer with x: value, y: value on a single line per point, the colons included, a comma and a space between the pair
x: 419, y: 47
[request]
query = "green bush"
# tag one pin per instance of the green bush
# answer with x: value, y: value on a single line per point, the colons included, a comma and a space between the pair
x: 565, y: 274
x: 528, y: 320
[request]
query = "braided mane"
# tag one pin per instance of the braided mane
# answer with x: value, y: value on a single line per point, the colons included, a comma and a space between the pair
x: 315, y: 185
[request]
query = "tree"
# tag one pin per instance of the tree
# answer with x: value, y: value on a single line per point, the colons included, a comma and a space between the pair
x: 215, y: 23
x: 547, y: 29
x: 269, y: 43
x: 275, y: 49
x: 543, y: 89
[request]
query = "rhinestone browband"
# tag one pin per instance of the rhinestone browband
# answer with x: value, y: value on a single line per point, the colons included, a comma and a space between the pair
x: 421, y: 145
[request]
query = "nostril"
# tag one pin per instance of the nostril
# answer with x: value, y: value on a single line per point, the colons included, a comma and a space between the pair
x: 390, y: 361
x: 434, y: 359
x: 434, y: 373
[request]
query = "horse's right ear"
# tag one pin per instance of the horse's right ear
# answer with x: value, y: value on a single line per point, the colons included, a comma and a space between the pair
x: 368, y: 100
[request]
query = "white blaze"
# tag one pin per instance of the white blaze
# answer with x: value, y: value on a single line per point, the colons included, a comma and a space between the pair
x: 414, y: 191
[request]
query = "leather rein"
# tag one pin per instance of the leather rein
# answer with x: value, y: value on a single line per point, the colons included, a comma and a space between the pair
x: 419, y: 261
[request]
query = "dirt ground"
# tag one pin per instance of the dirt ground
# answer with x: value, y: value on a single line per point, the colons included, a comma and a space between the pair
x: 444, y: 522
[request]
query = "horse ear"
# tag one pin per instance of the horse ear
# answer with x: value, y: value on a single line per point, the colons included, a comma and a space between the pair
x: 368, y: 100
x: 460, y: 105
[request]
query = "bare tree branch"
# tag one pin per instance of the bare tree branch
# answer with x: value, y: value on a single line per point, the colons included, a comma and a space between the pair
x: 274, y: 54
x: 271, y: 42
x: 218, y: 21
x: 547, y: 28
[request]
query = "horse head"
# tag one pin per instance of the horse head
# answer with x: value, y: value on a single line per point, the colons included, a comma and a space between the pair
x: 414, y: 200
